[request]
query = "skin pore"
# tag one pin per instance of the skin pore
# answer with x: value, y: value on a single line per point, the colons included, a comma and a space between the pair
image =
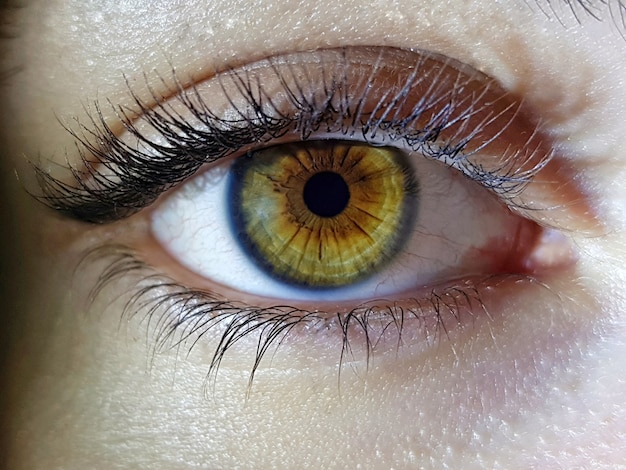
x: 538, y: 382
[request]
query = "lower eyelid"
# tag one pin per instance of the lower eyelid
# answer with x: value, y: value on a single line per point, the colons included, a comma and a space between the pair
x: 179, y: 317
x: 418, y: 320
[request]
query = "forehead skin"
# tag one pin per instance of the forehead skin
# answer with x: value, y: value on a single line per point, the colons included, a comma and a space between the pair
x: 82, y: 394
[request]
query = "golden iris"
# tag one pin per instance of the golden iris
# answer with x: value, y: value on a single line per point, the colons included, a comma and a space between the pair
x: 323, y: 213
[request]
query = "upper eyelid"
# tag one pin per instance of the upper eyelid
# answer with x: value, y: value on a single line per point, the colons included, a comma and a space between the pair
x: 81, y: 199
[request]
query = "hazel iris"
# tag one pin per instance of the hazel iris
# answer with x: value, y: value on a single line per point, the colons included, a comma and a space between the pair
x: 324, y: 213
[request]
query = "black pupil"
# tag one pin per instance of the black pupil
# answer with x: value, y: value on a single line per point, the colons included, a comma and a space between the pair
x: 326, y: 194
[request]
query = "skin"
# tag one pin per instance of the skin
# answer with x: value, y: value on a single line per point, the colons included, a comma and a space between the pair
x: 540, y: 384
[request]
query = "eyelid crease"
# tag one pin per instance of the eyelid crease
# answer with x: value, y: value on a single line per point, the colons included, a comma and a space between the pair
x: 441, y: 108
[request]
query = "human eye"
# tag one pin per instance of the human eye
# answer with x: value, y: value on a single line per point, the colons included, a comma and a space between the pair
x: 447, y: 193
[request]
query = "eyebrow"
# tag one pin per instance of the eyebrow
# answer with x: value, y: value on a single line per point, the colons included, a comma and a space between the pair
x: 600, y: 10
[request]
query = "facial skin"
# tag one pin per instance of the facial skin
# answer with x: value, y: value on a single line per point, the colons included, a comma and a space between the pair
x: 539, y: 384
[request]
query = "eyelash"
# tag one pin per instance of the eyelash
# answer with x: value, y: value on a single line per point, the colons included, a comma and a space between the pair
x: 179, y: 317
x: 93, y: 196
x: 182, y: 316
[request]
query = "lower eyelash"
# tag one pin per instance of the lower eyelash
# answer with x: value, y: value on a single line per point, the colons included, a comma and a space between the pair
x: 179, y: 317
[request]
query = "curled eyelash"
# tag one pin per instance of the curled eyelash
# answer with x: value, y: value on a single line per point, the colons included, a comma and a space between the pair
x: 177, y: 317
x: 115, y: 179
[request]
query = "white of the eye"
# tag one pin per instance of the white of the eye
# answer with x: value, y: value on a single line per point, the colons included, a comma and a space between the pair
x: 454, y: 217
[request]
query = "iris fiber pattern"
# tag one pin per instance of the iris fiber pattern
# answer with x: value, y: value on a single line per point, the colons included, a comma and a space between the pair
x: 324, y: 213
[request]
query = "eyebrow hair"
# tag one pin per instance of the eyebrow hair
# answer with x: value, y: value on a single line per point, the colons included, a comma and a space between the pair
x: 600, y: 10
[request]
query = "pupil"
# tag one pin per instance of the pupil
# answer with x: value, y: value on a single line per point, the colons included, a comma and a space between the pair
x: 326, y: 194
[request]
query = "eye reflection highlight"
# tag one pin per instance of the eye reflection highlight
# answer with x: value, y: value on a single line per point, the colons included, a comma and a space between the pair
x: 323, y: 213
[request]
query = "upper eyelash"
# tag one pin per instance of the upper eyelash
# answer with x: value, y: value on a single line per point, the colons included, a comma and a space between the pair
x: 135, y: 178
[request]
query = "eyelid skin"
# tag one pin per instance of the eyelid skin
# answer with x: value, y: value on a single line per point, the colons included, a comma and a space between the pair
x: 442, y: 105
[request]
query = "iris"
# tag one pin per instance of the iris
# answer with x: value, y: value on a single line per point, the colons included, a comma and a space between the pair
x: 324, y: 213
